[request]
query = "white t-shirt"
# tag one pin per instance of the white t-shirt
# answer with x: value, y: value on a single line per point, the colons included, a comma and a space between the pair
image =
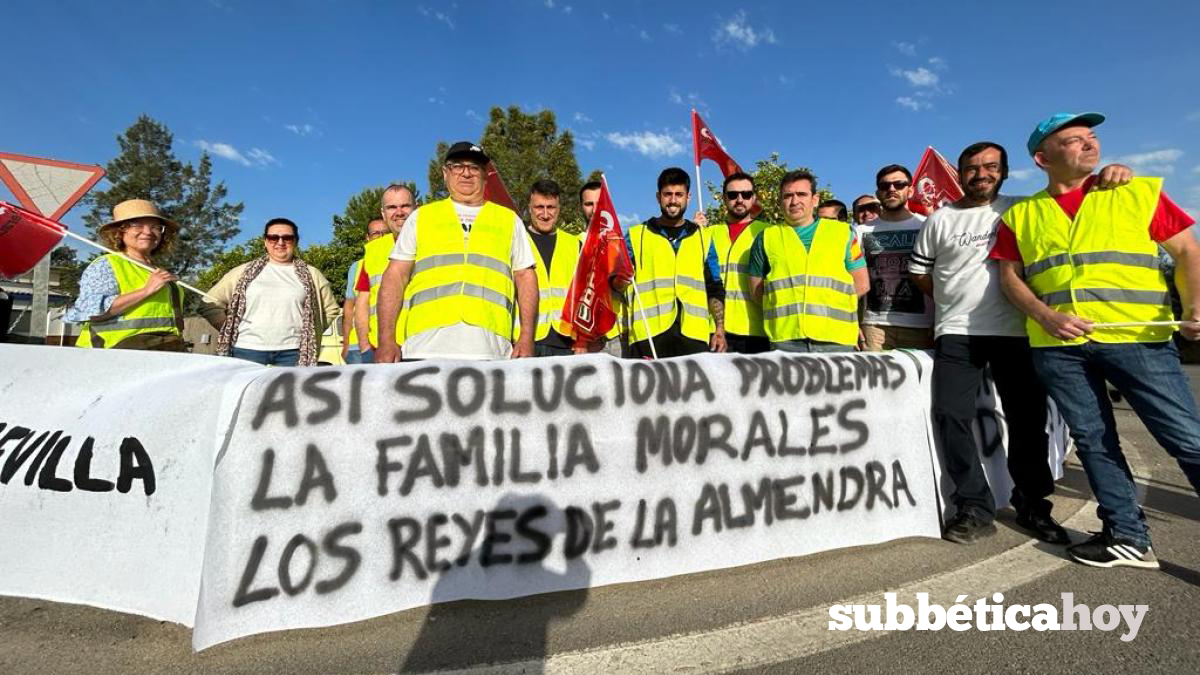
x: 273, y: 319
x: 462, y: 340
x: 953, y: 248
x: 894, y: 300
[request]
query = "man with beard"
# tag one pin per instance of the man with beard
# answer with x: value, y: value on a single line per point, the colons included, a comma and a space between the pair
x: 896, y: 314
x: 744, y: 333
x: 1082, y: 264
x: 678, y: 277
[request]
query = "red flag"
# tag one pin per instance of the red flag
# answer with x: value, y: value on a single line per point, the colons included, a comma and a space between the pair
x: 589, y: 307
x: 494, y: 190
x: 934, y: 184
x: 25, y: 238
x: 706, y: 145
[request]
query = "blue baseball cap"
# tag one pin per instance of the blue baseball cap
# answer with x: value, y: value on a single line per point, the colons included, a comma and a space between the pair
x: 1057, y: 121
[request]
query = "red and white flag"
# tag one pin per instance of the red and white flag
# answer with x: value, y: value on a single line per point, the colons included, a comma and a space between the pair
x: 589, y: 308
x: 935, y: 184
x: 494, y: 190
x: 706, y: 146
x: 25, y: 238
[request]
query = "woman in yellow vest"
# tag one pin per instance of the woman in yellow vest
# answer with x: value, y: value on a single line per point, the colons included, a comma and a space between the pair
x: 123, y: 305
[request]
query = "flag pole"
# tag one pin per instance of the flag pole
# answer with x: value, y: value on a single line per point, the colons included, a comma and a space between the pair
x: 135, y: 262
x: 645, y: 322
x: 696, y: 151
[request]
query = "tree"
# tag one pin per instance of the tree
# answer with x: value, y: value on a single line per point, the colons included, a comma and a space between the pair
x: 524, y: 148
x: 767, y: 173
x: 147, y: 168
x: 66, y: 260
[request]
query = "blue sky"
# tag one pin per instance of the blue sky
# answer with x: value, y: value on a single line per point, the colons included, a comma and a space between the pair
x: 303, y: 104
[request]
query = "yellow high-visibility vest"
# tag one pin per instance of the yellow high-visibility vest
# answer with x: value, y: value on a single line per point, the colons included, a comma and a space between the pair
x: 667, y: 281
x: 809, y: 293
x: 376, y: 257
x: 553, y: 284
x: 155, y: 314
x: 743, y: 316
x: 462, y: 280
x: 1101, y: 266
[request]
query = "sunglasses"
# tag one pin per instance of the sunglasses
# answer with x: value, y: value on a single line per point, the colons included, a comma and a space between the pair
x: 869, y: 206
x: 893, y: 184
x: 276, y: 238
x: 734, y: 194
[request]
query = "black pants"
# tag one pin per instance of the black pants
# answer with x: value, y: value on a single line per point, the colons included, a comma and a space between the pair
x: 747, y: 344
x: 671, y: 342
x: 958, y: 365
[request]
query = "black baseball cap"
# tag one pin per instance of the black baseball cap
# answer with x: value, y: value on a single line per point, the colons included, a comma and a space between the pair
x: 467, y: 150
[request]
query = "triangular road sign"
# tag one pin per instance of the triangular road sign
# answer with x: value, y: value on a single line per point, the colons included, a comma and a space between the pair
x: 47, y: 186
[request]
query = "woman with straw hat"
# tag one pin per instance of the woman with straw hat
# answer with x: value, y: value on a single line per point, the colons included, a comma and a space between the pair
x: 121, y: 304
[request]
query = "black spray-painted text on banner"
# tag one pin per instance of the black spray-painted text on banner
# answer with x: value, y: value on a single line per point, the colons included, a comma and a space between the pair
x: 46, y: 455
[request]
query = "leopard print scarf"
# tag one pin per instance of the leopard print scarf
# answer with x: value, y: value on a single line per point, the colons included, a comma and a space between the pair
x: 237, y: 308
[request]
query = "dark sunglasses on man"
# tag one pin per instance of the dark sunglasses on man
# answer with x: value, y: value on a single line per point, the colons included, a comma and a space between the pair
x: 734, y: 194
x: 897, y: 185
x: 276, y: 238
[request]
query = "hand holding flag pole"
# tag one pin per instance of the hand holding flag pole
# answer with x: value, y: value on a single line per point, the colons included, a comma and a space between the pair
x: 34, y: 236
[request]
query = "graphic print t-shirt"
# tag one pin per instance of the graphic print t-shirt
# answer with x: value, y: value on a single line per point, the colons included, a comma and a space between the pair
x: 894, y: 300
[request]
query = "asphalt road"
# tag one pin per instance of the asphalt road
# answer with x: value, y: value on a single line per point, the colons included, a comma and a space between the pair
x: 768, y: 618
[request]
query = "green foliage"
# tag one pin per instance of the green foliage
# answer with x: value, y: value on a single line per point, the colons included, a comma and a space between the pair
x: 147, y: 168
x: 66, y: 260
x: 242, y: 253
x: 524, y: 148
x: 767, y: 173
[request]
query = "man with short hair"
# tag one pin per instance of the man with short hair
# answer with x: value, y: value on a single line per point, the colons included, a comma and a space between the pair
x: 744, y: 333
x: 678, y: 278
x: 556, y: 254
x: 807, y: 274
x: 896, y: 315
x: 866, y: 208
x: 396, y: 203
x: 461, y: 267
x: 833, y: 209
x: 1082, y: 264
x: 588, y: 195
x: 352, y: 352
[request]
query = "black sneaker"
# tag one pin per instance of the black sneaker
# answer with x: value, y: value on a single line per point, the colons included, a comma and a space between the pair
x: 1105, y: 550
x: 1044, y: 527
x: 966, y: 528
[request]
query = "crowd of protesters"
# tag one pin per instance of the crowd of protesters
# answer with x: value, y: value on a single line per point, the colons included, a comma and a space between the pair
x: 1056, y: 293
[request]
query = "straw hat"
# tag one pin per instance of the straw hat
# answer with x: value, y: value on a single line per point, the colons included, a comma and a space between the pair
x: 132, y: 209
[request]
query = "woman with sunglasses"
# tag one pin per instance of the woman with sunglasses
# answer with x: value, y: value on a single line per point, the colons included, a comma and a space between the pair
x: 274, y: 309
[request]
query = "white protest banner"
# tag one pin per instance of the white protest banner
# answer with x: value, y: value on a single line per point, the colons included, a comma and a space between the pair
x: 347, y: 493
x: 105, y: 473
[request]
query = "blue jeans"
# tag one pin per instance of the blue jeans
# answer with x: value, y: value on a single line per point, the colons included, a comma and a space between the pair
x: 276, y: 357
x: 1148, y: 375
x: 354, y: 356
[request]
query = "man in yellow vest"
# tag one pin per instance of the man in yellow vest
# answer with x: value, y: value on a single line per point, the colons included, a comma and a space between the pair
x: 1082, y: 264
x: 678, y: 279
x: 744, y: 332
x: 352, y: 352
x: 396, y: 204
x: 462, y: 266
x: 807, y: 274
x: 556, y: 254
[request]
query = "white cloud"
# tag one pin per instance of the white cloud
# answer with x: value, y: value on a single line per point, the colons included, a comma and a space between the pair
x: 786, y: 80
x: 675, y: 98
x: 628, y: 220
x: 550, y: 4
x: 586, y: 142
x: 673, y: 28
x: 913, y: 104
x: 437, y: 100
x: 568, y: 9
x: 1022, y: 174
x: 691, y: 99
x: 580, y: 117
x: 905, y: 48
x: 474, y: 115
x: 921, y: 77
x: 1157, y: 162
x: 938, y: 63
x: 605, y: 16
x: 301, y: 129
x: 643, y: 35
x: 738, y: 33
x: 436, y: 15
x: 253, y: 157
x: 646, y: 143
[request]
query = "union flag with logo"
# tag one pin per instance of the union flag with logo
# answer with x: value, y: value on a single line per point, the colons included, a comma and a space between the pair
x: 935, y: 184
x: 589, y: 308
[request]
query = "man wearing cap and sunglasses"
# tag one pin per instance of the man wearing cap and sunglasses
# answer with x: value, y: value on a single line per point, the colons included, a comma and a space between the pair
x: 865, y: 209
x: 462, y: 266
x: 744, y: 332
x: 1082, y: 264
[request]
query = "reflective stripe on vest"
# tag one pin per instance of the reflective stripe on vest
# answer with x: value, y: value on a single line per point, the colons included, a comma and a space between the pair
x: 809, y: 293
x: 155, y: 314
x: 459, y: 279
x: 376, y: 258
x: 668, y: 280
x: 743, y: 316
x: 1102, y: 266
x: 553, y: 285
